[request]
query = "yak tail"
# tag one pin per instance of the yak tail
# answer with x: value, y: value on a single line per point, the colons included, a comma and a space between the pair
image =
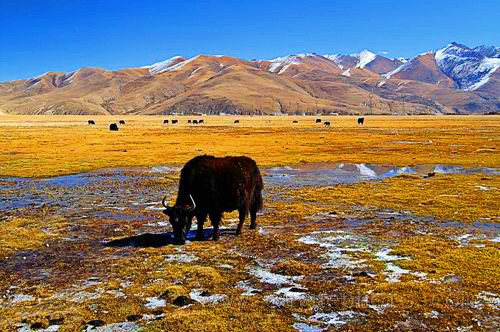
x: 257, y: 200
x: 257, y: 193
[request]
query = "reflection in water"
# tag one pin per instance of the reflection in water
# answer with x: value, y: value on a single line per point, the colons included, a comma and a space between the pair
x: 328, y: 174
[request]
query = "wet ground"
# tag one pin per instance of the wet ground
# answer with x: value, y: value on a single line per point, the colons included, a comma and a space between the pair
x: 112, y: 265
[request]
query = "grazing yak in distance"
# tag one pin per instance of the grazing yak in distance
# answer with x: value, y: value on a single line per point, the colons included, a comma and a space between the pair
x: 210, y: 186
x: 113, y: 127
x: 121, y: 122
x: 318, y: 120
x: 201, y: 121
x: 327, y: 123
x: 165, y: 121
x: 175, y: 121
x: 91, y: 122
x: 189, y: 121
x: 195, y: 121
x: 361, y: 121
x: 236, y: 121
x: 295, y: 121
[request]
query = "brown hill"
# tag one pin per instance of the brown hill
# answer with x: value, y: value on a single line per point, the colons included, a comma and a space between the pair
x: 422, y: 68
x: 381, y: 65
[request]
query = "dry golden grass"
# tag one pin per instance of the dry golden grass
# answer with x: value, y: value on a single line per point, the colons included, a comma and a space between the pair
x: 446, y: 197
x: 28, y: 233
x: 48, y: 146
x: 53, y: 145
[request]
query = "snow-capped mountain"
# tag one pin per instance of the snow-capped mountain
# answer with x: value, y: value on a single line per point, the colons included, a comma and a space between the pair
x: 358, y: 60
x: 467, y: 67
x: 365, y: 59
x: 455, y: 65
x: 454, y: 79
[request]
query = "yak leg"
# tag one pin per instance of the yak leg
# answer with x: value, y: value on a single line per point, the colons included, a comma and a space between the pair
x: 243, y: 214
x: 253, y: 218
x: 254, y: 207
x: 199, y: 231
x: 215, y: 219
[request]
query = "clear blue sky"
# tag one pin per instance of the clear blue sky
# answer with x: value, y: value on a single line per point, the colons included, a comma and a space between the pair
x: 63, y: 35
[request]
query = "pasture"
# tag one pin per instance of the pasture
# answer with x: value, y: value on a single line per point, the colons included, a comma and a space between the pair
x: 393, y: 224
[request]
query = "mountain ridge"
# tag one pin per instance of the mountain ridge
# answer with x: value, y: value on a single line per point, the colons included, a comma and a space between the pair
x: 455, y: 79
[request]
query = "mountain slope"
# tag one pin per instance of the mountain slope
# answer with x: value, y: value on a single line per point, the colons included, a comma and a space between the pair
x: 422, y: 68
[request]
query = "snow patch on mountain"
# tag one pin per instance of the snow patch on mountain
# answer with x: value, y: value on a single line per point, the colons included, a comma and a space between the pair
x: 397, y: 70
x: 488, y: 65
x: 281, y: 64
x: 69, y: 78
x: 405, y: 66
x: 167, y: 65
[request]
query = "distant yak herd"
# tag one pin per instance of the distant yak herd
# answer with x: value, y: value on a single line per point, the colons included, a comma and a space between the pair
x: 114, y: 126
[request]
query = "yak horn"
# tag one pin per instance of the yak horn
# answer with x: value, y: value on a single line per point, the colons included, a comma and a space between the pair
x: 192, y: 200
x: 163, y: 202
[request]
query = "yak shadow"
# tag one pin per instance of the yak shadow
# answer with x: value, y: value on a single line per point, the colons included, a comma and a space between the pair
x: 156, y: 240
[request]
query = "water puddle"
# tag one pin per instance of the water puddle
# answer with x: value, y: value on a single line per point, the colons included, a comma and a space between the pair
x: 333, y: 174
x: 101, y: 194
x: 140, y: 189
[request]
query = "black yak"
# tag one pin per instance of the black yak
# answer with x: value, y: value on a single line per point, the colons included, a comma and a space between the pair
x: 113, y: 127
x: 318, y: 120
x: 195, y: 121
x: 189, y: 121
x: 361, y: 121
x: 327, y: 123
x: 175, y: 121
x: 91, y: 122
x: 121, y: 122
x: 165, y: 121
x: 200, y: 121
x: 210, y: 186
x: 236, y: 121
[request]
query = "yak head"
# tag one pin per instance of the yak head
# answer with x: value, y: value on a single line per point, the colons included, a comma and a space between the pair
x: 180, y: 219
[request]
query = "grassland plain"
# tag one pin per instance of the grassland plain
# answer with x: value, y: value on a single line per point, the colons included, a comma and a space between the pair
x: 402, y: 253
x: 54, y: 145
